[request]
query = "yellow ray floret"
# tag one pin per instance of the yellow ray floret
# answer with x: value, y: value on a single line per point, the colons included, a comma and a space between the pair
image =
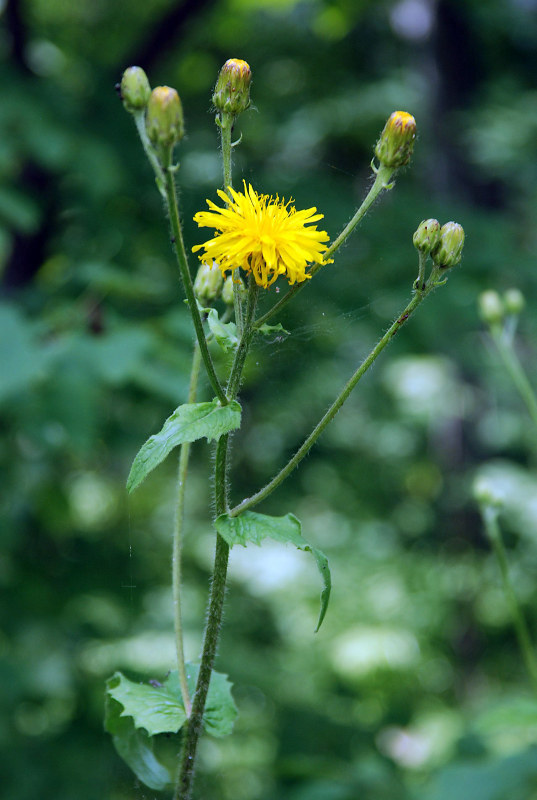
x: 262, y: 235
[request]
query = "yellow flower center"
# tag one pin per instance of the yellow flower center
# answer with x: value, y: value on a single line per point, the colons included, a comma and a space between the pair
x: 262, y: 235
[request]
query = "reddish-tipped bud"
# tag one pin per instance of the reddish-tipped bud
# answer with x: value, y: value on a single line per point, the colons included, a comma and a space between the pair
x: 208, y: 283
x: 396, y: 141
x: 427, y: 235
x: 135, y: 89
x: 448, y: 250
x: 232, y: 90
x: 164, y: 118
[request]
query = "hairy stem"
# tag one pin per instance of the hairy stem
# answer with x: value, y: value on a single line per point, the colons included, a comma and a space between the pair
x: 338, y: 402
x: 225, y: 122
x: 177, y: 239
x: 214, y: 619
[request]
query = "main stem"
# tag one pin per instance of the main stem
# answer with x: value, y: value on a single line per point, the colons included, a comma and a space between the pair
x: 218, y: 587
x: 177, y: 238
x: 490, y: 516
x: 184, y: 456
x: 338, y: 402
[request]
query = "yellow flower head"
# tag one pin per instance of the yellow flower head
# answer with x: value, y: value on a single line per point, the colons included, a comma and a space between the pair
x: 262, y: 235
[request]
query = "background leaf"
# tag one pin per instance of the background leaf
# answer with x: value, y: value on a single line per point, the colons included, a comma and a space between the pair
x: 189, y: 422
x: 253, y: 527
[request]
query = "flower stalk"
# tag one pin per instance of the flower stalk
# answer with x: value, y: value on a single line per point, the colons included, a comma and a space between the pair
x: 177, y: 239
x: 262, y: 494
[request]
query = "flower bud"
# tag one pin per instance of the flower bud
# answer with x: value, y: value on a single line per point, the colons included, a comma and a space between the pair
x: 448, y: 250
x: 164, y: 119
x: 135, y: 89
x: 208, y: 283
x: 491, y: 308
x: 514, y: 301
x: 228, y: 291
x: 232, y: 90
x: 427, y: 235
x: 396, y: 141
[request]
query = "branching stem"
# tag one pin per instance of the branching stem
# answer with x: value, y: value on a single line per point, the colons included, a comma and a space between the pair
x: 308, y: 443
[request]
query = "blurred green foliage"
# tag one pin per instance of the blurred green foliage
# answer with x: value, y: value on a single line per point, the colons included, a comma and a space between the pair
x: 413, y: 688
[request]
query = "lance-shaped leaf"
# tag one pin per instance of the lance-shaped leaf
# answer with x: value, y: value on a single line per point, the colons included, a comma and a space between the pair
x: 252, y: 527
x: 158, y: 707
x: 189, y: 422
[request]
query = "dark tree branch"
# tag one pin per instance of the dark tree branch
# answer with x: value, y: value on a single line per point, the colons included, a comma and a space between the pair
x: 167, y: 32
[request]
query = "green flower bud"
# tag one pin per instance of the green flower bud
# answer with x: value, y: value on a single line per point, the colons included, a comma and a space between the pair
x: 514, y: 301
x: 396, y: 141
x: 228, y: 291
x: 427, y: 235
x: 164, y: 118
x: 208, y: 283
x: 232, y: 90
x: 134, y: 89
x: 491, y: 308
x: 448, y: 250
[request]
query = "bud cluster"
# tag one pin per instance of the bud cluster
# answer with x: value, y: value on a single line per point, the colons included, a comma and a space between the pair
x: 444, y: 244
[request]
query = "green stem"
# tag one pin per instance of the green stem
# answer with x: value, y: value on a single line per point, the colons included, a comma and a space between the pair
x: 490, y: 518
x: 214, y: 619
x: 516, y: 371
x: 218, y: 587
x: 338, y: 402
x: 184, y: 455
x: 225, y: 123
x: 177, y: 239
x: 381, y: 183
x: 245, y: 341
x: 139, y: 120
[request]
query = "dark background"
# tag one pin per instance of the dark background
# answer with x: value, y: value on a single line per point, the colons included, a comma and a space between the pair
x: 414, y: 686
